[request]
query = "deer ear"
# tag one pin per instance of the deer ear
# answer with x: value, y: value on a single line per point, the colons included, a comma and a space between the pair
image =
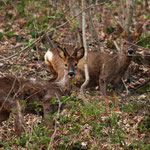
x: 78, y: 53
x: 48, y: 38
x: 119, y: 28
x: 119, y: 32
x: 62, y: 52
x: 138, y: 31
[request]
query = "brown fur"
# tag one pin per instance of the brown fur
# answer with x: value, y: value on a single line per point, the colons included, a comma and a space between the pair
x: 31, y: 93
x: 104, y: 69
x: 26, y: 96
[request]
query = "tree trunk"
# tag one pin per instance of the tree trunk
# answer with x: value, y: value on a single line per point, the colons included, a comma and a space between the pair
x: 130, y: 5
x: 83, y: 86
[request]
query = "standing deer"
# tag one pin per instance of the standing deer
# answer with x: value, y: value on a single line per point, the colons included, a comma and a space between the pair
x: 114, y: 66
x: 36, y: 95
x: 104, y: 69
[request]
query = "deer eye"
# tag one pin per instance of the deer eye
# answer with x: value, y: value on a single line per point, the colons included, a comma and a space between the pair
x: 125, y: 43
x: 75, y: 65
x: 65, y: 65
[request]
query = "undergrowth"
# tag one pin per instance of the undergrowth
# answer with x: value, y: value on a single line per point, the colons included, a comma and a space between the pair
x: 87, y: 127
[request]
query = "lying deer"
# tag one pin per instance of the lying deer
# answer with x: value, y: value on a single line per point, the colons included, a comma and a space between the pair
x: 56, y: 66
x: 36, y: 95
x: 104, y: 69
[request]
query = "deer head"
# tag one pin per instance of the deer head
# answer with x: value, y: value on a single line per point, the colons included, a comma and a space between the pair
x: 72, y: 60
x: 128, y: 47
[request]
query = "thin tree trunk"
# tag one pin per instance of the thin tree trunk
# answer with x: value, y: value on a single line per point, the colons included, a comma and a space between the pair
x: 130, y: 5
x: 75, y: 8
x: 83, y: 86
x: 93, y: 30
x: 79, y: 19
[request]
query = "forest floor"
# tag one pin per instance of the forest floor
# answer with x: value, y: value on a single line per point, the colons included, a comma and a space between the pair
x: 79, y: 127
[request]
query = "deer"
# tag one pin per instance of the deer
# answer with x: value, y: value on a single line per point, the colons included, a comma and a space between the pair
x: 56, y: 65
x: 23, y: 96
x: 105, y: 70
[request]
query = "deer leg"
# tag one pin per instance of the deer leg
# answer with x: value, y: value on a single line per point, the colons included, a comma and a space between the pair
x: 4, y: 115
x: 106, y: 102
x: 53, y: 72
x: 104, y: 95
x: 19, y: 127
x: 49, y: 110
x: 112, y: 94
x: 11, y: 104
x: 48, y: 118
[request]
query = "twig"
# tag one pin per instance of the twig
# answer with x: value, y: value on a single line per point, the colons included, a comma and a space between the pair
x: 72, y: 5
x: 127, y: 91
x: 4, y: 2
x: 123, y: 11
x: 81, y: 12
x: 94, y: 31
x: 37, y: 40
x: 116, y: 45
x: 139, y: 86
x: 49, y: 41
x: 55, y: 127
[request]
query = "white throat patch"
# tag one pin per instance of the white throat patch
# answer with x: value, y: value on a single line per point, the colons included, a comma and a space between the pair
x: 63, y: 80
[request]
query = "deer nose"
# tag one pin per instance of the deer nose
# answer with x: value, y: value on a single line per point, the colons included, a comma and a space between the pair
x: 130, y: 51
x: 71, y: 74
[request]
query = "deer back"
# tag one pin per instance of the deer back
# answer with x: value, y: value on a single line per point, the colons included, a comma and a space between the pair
x: 26, y: 90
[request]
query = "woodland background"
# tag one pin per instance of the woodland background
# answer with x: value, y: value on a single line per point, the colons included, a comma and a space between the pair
x: 23, y: 26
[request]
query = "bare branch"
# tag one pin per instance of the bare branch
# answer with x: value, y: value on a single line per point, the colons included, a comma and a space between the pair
x: 27, y: 47
x: 93, y: 30
x: 83, y: 86
x: 123, y: 12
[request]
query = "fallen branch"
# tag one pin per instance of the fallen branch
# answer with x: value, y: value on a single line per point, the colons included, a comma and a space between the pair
x: 139, y: 86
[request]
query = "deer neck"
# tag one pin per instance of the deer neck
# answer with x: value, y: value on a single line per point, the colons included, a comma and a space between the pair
x: 124, y: 60
x: 64, y: 82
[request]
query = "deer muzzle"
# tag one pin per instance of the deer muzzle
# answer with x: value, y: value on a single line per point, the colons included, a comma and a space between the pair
x: 130, y: 51
x: 71, y: 74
